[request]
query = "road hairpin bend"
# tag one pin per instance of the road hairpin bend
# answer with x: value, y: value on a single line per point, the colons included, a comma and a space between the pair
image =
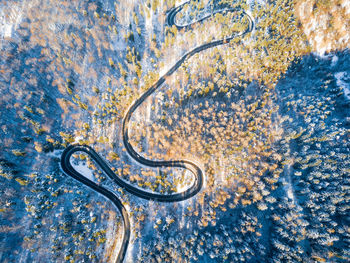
x: 198, y: 173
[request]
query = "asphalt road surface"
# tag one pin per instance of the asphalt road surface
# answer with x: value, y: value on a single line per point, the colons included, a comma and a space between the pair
x: 193, y: 167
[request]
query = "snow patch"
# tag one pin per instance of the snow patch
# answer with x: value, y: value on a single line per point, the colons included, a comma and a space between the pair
x: 78, y: 138
x: 9, y: 23
x: 84, y: 170
x: 346, y: 4
x: 343, y: 81
x: 7, y: 30
x: 334, y: 60
x: 55, y: 153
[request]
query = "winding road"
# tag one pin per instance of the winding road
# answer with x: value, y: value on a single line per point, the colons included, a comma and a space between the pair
x: 194, y: 168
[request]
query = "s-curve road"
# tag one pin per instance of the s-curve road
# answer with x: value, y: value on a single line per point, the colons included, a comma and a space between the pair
x: 193, y: 167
